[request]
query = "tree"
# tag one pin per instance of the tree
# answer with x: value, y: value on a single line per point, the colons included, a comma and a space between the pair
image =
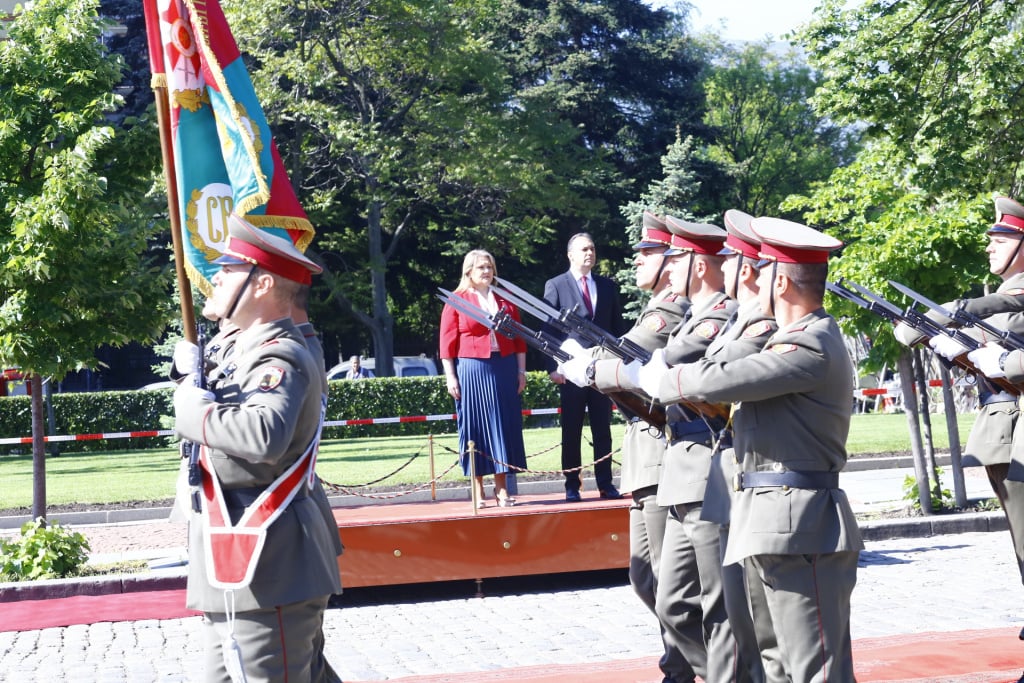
x: 936, y: 88
x: 627, y: 76
x: 674, y: 194
x: 403, y: 150
x: 940, y: 78
x: 767, y: 135
x: 73, y: 243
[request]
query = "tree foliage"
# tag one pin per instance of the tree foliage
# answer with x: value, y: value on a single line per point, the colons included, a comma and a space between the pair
x: 767, y: 135
x: 941, y: 78
x: 73, y: 245
x: 403, y: 146
x: 915, y: 204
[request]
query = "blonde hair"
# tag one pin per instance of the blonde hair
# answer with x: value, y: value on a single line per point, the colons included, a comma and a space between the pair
x: 467, y: 267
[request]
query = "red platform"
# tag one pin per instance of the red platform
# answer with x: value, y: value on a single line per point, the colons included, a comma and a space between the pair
x: 403, y: 543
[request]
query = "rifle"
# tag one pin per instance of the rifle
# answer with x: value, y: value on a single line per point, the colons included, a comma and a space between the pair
x: 503, y: 323
x: 917, y: 321
x: 963, y: 317
x: 195, y: 474
x: 573, y: 324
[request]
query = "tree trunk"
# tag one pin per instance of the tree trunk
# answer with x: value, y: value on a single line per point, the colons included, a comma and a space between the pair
x: 953, y: 429
x: 382, y: 331
x: 926, y: 419
x: 905, y: 366
x: 38, y: 449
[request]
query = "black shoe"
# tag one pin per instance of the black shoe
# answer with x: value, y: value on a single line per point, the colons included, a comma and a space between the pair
x: 572, y: 496
x: 610, y: 493
x: 1021, y: 634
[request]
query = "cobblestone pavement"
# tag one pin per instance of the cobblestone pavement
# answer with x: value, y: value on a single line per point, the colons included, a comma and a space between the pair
x: 909, y: 585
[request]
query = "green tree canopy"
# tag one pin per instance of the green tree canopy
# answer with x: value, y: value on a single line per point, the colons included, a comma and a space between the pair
x: 407, y: 145
x: 767, y: 135
x: 73, y: 243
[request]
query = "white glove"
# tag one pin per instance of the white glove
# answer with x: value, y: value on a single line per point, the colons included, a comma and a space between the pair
x: 986, y: 358
x: 573, y: 348
x: 188, y: 394
x: 946, y: 346
x: 186, y: 357
x: 652, y: 372
x: 575, y: 370
x: 631, y: 373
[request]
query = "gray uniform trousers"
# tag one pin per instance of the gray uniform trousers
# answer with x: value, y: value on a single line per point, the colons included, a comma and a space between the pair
x: 279, y: 643
x: 647, y: 522
x: 802, y: 589
x: 734, y: 583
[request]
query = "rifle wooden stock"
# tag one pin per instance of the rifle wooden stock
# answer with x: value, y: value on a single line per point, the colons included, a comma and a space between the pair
x: 634, y: 405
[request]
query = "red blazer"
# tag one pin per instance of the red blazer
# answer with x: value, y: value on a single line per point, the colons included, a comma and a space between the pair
x: 463, y: 337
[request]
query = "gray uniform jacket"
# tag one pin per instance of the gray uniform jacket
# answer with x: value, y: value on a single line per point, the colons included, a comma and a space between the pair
x: 642, y: 447
x: 746, y: 335
x: 991, y: 437
x: 318, y: 494
x: 264, y: 415
x: 684, y: 472
x: 795, y: 398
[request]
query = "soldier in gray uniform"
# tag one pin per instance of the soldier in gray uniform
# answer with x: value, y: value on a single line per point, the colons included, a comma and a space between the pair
x: 791, y: 523
x: 745, y: 333
x: 643, y: 446
x: 994, y: 441
x: 689, y: 603
x: 262, y: 600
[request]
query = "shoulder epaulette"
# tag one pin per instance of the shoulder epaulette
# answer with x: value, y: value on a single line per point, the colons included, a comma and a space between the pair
x: 757, y: 329
x: 782, y: 348
x: 654, y: 322
x: 707, y: 329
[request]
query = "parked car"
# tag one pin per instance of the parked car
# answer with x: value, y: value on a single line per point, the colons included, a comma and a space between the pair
x: 405, y: 366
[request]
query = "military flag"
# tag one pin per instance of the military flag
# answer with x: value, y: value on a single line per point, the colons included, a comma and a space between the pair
x: 222, y: 155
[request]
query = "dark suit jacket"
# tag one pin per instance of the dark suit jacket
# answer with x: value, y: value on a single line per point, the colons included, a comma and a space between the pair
x: 563, y: 291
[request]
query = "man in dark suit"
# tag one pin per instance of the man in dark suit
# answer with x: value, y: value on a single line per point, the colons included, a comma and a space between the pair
x: 597, y: 298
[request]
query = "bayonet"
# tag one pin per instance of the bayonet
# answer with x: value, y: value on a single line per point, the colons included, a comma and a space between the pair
x: 961, y: 316
x: 503, y: 323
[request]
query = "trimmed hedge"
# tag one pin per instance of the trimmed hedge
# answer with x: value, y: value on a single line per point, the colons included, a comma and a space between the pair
x: 132, y: 411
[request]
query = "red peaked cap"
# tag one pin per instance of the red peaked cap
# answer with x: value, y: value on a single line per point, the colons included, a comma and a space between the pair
x: 1009, y: 217
x: 654, y: 234
x: 698, y: 238
x: 741, y: 238
x: 278, y: 255
x: 788, y: 242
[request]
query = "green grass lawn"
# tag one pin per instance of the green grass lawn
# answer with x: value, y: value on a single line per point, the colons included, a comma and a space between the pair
x: 391, y: 463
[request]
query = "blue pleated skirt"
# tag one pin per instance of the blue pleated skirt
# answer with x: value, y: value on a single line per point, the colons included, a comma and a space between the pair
x: 490, y: 413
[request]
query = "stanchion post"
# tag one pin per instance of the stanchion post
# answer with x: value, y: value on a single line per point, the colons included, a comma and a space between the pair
x: 471, y: 454
x: 430, y: 451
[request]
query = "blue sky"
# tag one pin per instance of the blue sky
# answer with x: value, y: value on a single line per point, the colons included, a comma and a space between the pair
x: 747, y: 19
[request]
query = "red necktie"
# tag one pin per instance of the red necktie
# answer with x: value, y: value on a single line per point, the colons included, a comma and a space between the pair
x: 586, y: 296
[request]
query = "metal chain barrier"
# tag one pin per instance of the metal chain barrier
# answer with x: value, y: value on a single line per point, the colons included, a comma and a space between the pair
x: 347, y: 489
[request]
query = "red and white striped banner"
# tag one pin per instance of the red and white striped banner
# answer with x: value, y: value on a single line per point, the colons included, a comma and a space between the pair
x: 881, y: 391
x: 328, y: 423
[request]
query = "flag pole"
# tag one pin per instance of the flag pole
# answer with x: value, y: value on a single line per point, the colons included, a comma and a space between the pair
x: 163, y: 118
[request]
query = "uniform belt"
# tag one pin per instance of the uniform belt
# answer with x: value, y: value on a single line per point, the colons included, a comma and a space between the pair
x: 786, y: 480
x: 696, y: 430
x: 244, y: 497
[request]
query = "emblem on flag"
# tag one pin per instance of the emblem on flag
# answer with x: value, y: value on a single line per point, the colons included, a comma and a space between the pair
x: 224, y: 154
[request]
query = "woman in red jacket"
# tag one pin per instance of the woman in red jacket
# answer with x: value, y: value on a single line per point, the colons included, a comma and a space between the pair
x: 485, y: 374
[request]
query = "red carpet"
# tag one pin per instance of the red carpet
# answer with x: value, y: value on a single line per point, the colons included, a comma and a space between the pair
x: 986, y: 656
x: 30, y: 615
x: 981, y: 656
